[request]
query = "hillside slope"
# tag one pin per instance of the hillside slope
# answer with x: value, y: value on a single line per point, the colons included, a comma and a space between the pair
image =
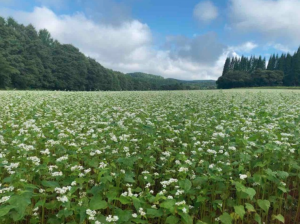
x: 31, y: 59
x: 158, y: 82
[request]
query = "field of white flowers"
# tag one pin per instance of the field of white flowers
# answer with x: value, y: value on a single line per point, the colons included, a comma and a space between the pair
x: 150, y: 157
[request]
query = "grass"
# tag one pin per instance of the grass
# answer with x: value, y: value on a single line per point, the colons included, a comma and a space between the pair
x: 273, y: 87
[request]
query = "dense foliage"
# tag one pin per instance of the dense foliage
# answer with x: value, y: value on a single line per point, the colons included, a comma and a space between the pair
x: 234, y: 79
x: 33, y: 60
x: 250, y: 72
x: 159, y: 83
x: 150, y: 157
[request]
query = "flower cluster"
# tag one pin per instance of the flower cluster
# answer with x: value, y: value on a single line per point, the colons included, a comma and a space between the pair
x: 149, y: 157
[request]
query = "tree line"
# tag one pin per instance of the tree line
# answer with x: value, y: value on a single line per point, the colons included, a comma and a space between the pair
x: 281, y: 70
x: 31, y: 59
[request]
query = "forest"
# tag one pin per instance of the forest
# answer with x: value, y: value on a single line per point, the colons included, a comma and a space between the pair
x: 281, y: 70
x: 31, y: 59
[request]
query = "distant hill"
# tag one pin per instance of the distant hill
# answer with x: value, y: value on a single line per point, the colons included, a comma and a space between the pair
x: 160, y: 83
x: 31, y: 59
x: 145, y: 76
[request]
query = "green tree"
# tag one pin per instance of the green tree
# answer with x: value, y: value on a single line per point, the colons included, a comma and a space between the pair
x: 234, y: 79
x: 226, y: 66
x: 6, y: 71
x: 272, y: 62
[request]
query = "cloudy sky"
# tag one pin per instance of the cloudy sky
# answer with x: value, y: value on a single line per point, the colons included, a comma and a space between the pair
x: 172, y: 38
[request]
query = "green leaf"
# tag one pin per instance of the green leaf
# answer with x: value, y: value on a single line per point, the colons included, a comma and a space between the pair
x: 112, y: 195
x: 201, y: 199
x: 136, y: 203
x: 249, y: 207
x: 96, y: 190
x: 82, y: 214
x: 154, y: 213
x: 186, y: 218
x: 127, y: 161
x: 283, y: 189
x: 72, y: 222
x: 239, y: 186
x: 250, y: 191
x: 264, y: 205
x: 20, y: 203
x: 168, y: 204
x: 97, y: 203
x: 240, y: 210
x: 257, y: 218
x: 124, y: 200
x: 172, y: 220
x: 51, y: 184
x: 106, y: 179
x: 5, y: 210
x: 279, y: 218
x: 52, y: 205
x: 64, y: 213
x: 40, y: 203
x: 185, y: 185
x: 124, y: 216
x: 53, y: 220
x: 7, y: 179
x: 282, y: 174
x: 129, y: 179
x: 226, y: 218
x: 137, y: 220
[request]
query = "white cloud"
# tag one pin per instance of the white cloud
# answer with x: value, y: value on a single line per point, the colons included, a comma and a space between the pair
x: 246, y: 47
x: 127, y: 47
x: 204, y: 49
x: 282, y: 48
x: 272, y: 18
x: 205, y: 11
x: 107, y: 42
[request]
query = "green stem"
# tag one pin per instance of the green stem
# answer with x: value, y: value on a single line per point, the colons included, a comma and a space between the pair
x: 43, y: 214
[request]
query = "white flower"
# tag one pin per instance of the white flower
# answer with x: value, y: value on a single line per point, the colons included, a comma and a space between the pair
x: 211, y: 166
x: 45, y: 152
x: 62, y: 158
x: 170, y: 181
x: 102, y: 165
x: 212, y: 151
x: 35, y: 160
x: 180, y: 203
x: 63, y: 199
x: 90, y: 212
x: 56, y: 174
x: 243, y: 176
x: 183, y: 169
x: 134, y: 215
x: 4, y: 199
x: 184, y: 210
x: 179, y: 192
x: 141, y: 211
x: 232, y: 148
x: 62, y: 190
x: 112, y: 218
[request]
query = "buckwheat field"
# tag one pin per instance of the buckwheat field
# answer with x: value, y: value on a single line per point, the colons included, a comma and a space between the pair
x: 150, y: 157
